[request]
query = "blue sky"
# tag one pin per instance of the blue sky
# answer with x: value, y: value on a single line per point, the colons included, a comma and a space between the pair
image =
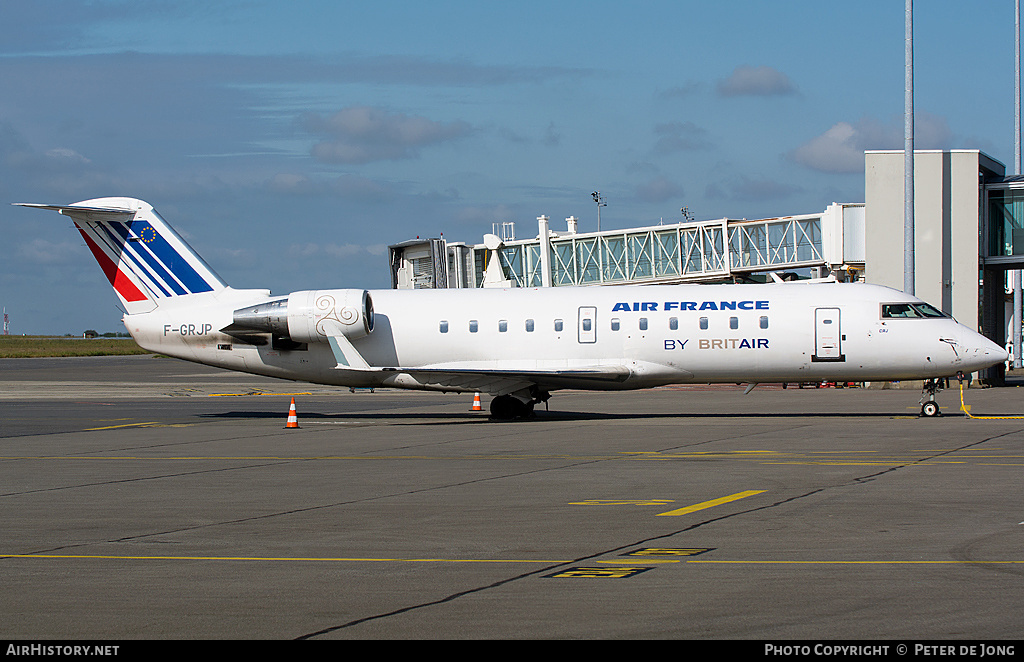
x: 291, y: 142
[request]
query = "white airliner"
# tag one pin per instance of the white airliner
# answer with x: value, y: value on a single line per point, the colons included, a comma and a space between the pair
x: 519, y: 345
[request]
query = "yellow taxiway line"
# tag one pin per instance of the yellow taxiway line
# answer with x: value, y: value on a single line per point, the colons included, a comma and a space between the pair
x: 710, y: 504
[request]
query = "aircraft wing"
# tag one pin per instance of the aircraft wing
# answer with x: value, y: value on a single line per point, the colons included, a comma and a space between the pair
x: 497, y: 377
x: 469, y: 381
x: 497, y: 381
x: 470, y: 376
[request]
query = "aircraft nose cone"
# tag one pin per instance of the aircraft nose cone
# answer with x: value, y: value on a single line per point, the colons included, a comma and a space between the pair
x: 983, y: 352
x: 998, y: 353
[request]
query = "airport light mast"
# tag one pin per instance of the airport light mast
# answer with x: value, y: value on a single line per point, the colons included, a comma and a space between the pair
x: 1015, y: 278
x: 908, y: 151
x: 596, y: 195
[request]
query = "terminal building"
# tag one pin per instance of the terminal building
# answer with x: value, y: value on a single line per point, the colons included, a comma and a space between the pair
x: 969, y: 233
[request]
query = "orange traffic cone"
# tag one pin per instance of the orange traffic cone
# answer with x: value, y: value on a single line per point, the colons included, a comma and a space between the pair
x: 476, y: 402
x: 293, y: 418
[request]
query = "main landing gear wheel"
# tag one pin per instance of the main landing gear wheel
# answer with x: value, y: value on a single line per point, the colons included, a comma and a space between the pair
x: 518, y: 405
x: 508, y: 407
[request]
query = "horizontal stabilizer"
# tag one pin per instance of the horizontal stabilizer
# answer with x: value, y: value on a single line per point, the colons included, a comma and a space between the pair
x: 86, y: 213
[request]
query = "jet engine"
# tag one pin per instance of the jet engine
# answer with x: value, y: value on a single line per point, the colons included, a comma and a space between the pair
x: 309, y: 316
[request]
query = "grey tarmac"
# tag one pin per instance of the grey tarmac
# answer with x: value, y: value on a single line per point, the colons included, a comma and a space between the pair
x: 146, y: 498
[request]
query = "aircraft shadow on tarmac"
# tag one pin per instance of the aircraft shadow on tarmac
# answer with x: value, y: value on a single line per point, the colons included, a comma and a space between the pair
x: 434, y: 418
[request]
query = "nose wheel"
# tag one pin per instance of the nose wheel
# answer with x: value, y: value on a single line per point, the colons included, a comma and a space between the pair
x: 930, y: 408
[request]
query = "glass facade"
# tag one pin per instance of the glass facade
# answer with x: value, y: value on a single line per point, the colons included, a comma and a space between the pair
x: 1006, y: 222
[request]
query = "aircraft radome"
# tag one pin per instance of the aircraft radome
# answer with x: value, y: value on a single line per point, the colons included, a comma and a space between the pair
x: 519, y: 344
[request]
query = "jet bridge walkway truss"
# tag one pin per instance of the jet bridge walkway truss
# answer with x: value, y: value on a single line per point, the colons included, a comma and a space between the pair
x: 708, y: 251
x: 696, y: 251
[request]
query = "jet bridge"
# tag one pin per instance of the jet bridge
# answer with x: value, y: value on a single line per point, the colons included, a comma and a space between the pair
x: 697, y: 251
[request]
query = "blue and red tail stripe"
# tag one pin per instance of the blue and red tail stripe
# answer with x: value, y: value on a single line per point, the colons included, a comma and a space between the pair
x: 143, y: 240
x: 121, y: 283
x: 133, y: 263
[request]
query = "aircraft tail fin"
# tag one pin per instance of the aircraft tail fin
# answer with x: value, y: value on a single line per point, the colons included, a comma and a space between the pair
x: 144, y: 259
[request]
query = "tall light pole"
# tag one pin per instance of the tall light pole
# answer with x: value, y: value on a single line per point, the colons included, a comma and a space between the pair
x: 596, y: 195
x: 1016, y: 273
x: 908, y: 152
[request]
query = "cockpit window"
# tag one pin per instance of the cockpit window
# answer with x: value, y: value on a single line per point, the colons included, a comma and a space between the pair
x: 927, y: 310
x: 898, y: 310
x: 904, y: 310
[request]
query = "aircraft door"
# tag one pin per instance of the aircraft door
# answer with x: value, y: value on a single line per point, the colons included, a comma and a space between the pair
x: 828, y: 335
x: 588, y: 324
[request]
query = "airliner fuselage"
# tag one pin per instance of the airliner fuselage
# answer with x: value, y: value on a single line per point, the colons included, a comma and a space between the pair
x: 662, y: 334
x: 517, y: 344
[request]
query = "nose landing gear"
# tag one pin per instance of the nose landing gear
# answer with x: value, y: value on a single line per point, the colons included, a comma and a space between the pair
x: 929, y: 407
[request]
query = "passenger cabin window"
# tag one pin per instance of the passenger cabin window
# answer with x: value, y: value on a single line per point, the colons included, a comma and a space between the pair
x: 473, y: 326
x: 643, y: 323
x: 615, y: 324
x: 558, y: 325
x: 443, y: 326
x: 704, y: 323
x: 588, y: 324
x: 529, y: 326
x: 502, y: 326
x: 734, y: 323
x: 764, y: 321
x: 673, y: 323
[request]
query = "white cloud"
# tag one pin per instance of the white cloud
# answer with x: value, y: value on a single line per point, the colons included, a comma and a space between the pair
x: 552, y: 138
x: 352, y: 187
x: 684, y: 91
x: 679, y: 137
x: 485, y: 215
x: 67, y: 156
x: 362, y: 134
x: 659, y: 189
x: 841, y: 148
x: 45, y: 252
x: 313, y: 251
x: 343, y: 250
x: 749, y: 189
x: 287, y: 182
x: 756, y: 81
